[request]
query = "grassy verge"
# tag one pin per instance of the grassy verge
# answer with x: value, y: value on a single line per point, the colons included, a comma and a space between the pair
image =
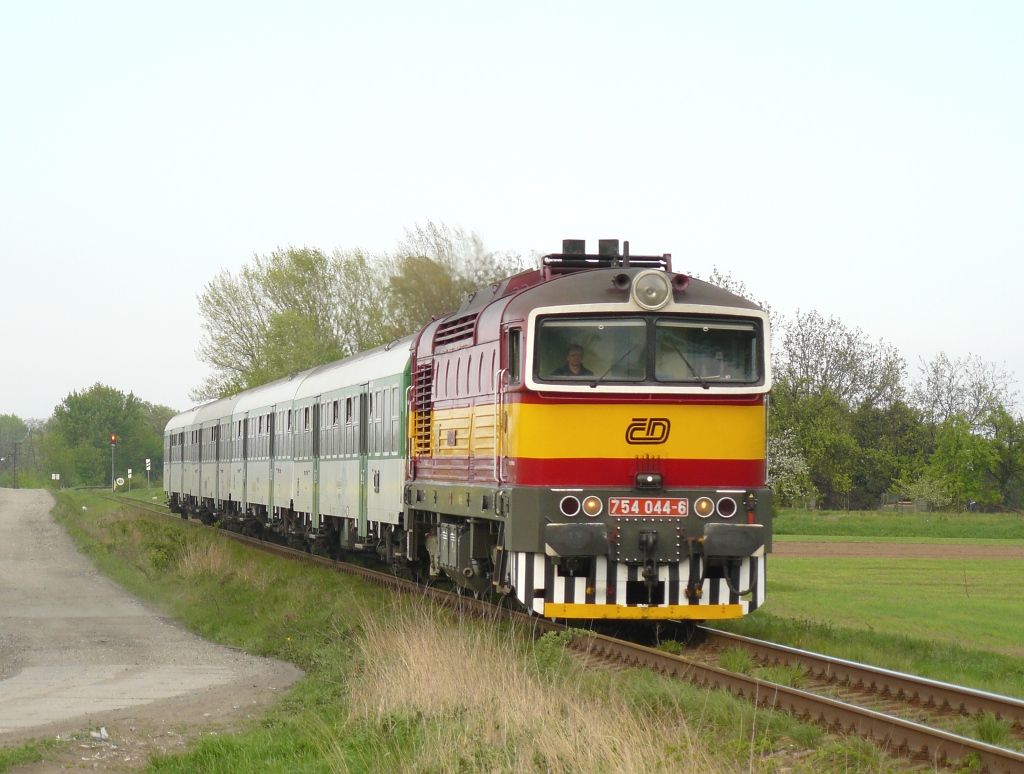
x: 398, y: 685
x: 992, y: 526
x: 30, y: 752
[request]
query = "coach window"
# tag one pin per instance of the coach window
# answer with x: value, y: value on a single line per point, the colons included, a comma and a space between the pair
x: 374, y: 409
x: 394, y: 419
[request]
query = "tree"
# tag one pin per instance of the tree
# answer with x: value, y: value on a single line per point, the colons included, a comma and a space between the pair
x: 297, y: 308
x: 422, y: 288
x: 893, y: 444
x: 460, y: 252
x: 819, y: 355
x: 965, y: 463
x: 235, y: 325
x: 966, y: 387
x: 821, y: 428
x: 788, y: 473
x: 78, y: 434
x: 1006, y: 435
x: 433, y: 271
x: 13, y: 432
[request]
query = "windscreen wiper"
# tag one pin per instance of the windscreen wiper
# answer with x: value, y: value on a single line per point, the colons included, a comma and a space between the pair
x: 697, y: 376
x: 611, y: 368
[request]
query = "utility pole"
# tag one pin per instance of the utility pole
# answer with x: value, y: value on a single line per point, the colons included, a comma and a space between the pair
x: 113, y: 443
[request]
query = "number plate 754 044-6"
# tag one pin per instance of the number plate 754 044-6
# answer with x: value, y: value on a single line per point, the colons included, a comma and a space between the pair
x: 648, y: 506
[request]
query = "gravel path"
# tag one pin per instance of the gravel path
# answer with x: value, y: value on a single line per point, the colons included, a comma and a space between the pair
x: 78, y: 653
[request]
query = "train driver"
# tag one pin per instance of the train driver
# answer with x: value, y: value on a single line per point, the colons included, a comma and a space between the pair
x: 573, y: 365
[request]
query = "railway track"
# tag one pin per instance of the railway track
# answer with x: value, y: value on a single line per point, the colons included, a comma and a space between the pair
x: 861, y: 680
x: 902, y: 693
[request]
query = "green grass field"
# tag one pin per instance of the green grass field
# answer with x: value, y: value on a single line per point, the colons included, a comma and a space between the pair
x: 846, y: 524
x: 958, y: 620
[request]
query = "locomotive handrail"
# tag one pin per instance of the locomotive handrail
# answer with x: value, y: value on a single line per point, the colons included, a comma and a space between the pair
x: 499, y: 405
x: 410, y: 464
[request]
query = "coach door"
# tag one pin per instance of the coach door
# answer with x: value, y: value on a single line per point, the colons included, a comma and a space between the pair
x: 364, y: 453
x: 314, y: 508
x: 271, y: 452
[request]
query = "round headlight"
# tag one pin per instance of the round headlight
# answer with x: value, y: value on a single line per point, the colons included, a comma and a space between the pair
x: 652, y: 289
x: 592, y: 506
x: 726, y: 507
x: 570, y: 505
x: 704, y: 507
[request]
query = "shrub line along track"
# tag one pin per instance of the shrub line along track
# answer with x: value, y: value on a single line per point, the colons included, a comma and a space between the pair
x: 893, y: 734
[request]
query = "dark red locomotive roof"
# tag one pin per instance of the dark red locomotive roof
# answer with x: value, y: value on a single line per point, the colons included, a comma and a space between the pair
x: 568, y: 278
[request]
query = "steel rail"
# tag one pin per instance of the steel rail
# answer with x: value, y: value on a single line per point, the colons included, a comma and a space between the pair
x: 887, y: 683
x: 892, y: 734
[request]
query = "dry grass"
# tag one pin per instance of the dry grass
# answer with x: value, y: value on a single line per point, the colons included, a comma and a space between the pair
x: 482, y: 700
x: 203, y: 556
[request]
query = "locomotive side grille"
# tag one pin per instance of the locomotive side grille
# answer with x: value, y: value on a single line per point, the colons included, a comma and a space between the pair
x: 456, y: 329
x: 422, y: 408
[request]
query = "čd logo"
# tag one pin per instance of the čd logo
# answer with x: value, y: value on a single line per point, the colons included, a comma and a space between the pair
x: 648, y: 431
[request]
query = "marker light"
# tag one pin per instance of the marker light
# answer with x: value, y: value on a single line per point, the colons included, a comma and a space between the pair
x: 569, y: 505
x: 652, y: 289
x: 592, y: 506
x: 704, y: 507
x: 726, y: 507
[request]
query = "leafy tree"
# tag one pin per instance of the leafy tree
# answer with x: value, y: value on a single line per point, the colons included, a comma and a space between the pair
x: 13, y: 432
x: 819, y: 355
x: 965, y: 463
x: 925, y: 488
x: 788, y: 473
x: 1006, y: 434
x: 235, y: 325
x: 78, y: 434
x: 299, y: 307
x: 821, y: 428
x: 966, y: 387
x: 893, y: 444
x: 461, y: 253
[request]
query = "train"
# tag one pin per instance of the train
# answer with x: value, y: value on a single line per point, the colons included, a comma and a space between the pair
x: 586, y: 439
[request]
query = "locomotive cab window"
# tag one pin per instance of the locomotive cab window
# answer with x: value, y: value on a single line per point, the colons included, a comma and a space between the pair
x: 703, y: 351
x: 589, y: 350
x: 706, y: 351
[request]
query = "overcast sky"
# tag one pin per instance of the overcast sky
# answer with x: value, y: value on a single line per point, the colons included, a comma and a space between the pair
x: 862, y: 159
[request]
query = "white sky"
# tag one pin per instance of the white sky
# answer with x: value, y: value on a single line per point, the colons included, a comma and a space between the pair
x: 862, y: 159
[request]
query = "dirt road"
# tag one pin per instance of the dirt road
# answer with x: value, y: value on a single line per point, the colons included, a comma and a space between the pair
x: 809, y: 549
x: 78, y: 653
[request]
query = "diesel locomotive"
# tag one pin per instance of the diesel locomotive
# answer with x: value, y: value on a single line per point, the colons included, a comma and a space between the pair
x: 587, y: 438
